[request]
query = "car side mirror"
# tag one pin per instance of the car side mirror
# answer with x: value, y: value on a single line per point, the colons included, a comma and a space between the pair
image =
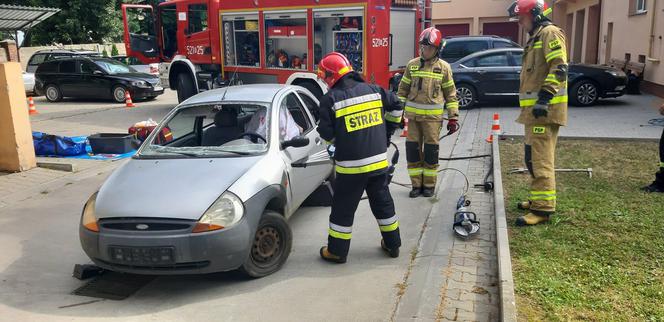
x: 296, y: 142
x: 98, y: 72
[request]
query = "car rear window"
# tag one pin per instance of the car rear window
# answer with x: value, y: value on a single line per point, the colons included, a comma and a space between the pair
x: 37, y: 59
x: 458, y: 49
x: 47, y: 68
x: 67, y: 67
x: 504, y: 44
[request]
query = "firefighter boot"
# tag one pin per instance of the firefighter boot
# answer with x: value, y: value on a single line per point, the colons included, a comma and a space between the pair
x: 427, y: 192
x: 416, y: 192
x: 531, y: 219
x: 326, y: 255
x: 658, y: 184
x: 523, y: 205
x: 394, y: 253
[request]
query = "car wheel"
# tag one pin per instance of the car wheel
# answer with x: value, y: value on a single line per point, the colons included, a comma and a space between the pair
x: 466, y: 95
x: 270, y: 247
x: 52, y: 93
x: 185, y: 87
x: 584, y: 93
x: 119, y: 93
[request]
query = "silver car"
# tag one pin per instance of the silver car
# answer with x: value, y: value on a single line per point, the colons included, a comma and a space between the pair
x: 212, y: 187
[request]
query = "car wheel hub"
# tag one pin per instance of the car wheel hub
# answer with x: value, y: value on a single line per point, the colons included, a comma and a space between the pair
x: 119, y: 94
x: 587, y: 93
x: 51, y: 93
x: 465, y: 96
x: 267, y: 245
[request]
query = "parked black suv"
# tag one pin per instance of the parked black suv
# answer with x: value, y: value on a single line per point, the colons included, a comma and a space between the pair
x: 457, y: 47
x: 51, y: 54
x: 92, y: 77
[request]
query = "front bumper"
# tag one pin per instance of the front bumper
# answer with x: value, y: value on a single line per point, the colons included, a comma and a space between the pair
x: 141, y: 93
x: 192, y: 253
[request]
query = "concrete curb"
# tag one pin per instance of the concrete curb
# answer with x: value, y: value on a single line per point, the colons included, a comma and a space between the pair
x: 506, y: 282
x: 561, y: 138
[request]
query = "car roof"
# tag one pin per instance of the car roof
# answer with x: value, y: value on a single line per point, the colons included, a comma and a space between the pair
x: 489, y: 51
x: 263, y: 93
x: 475, y: 37
x: 65, y: 51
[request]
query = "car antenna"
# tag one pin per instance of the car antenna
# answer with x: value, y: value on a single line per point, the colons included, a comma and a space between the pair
x: 224, y: 95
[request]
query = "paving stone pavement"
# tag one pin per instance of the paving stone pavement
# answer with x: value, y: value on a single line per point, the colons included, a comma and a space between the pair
x: 621, y: 117
x: 453, y: 279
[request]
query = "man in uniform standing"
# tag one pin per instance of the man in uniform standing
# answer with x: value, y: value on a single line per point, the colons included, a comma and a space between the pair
x: 543, y: 101
x: 359, y: 119
x: 658, y: 184
x: 427, y: 88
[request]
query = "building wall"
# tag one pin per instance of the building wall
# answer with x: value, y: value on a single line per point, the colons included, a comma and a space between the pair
x: 581, y: 20
x: 472, y: 12
x: 632, y: 35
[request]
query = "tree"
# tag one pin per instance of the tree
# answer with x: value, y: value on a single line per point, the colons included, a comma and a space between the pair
x: 104, y: 53
x: 79, y: 21
x: 114, y: 51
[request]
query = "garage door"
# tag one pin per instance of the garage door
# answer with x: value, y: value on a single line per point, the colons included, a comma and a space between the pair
x: 509, y: 30
x: 462, y: 29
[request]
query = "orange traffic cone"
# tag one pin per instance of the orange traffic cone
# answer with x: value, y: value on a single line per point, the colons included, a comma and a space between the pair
x: 404, y: 133
x: 32, y: 110
x: 129, y: 103
x: 495, y: 128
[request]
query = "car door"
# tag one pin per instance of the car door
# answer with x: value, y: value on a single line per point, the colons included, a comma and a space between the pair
x: 497, y: 77
x: 95, y: 82
x: 303, y: 163
x: 68, y: 79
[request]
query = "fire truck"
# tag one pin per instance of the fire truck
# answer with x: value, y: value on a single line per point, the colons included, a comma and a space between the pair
x: 205, y: 44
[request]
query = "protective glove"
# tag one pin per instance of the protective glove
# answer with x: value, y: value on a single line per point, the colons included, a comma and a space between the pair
x: 330, y: 150
x: 540, y: 110
x: 452, y: 126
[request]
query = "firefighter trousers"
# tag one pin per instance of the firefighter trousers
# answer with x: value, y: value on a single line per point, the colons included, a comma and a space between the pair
x: 540, y: 156
x: 659, y: 177
x: 348, y: 190
x: 422, y: 145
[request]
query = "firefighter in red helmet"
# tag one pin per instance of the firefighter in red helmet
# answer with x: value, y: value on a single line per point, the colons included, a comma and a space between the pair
x: 427, y: 88
x: 543, y: 101
x: 358, y: 119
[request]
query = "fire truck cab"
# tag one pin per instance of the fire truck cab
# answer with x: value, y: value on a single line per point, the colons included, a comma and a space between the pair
x: 205, y: 44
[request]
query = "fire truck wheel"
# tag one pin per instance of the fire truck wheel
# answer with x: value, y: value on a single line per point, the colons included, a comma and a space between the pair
x: 185, y: 87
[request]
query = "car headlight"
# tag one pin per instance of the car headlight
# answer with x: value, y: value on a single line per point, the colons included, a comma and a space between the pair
x: 140, y: 84
x: 89, y: 219
x: 223, y: 213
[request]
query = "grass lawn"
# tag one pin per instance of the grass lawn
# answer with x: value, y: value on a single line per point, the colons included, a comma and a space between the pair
x: 601, y: 258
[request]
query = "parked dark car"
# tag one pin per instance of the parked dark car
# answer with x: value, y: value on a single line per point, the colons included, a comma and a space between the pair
x: 91, y: 77
x: 457, y: 47
x: 494, y: 74
x: 45, y: 55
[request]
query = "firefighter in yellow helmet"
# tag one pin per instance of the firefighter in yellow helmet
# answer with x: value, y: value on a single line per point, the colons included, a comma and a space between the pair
x: 543, y: 101
x: 427, y: 88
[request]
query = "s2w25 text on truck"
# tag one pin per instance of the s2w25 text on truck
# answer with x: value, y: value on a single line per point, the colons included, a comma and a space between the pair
x: 205, y: 44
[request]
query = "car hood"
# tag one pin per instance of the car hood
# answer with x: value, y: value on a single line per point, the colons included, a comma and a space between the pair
x: 171, y: 188
x: 137, y: 76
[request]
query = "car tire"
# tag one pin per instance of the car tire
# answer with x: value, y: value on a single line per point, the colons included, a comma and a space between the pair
x: 584, y: 93
x: 270, y: 246
x: 52, y: 93
x: 118, y: 93
x: 467, y: 96
x: 185, y: 87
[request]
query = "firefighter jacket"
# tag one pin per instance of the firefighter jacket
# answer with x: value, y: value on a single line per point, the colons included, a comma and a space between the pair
x: 428, y: 89
x: 544, y: 69
x: 356, y: 116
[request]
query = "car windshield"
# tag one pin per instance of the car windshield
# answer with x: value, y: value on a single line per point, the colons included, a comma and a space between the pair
x: 114, y: 67
x: 211, y: 130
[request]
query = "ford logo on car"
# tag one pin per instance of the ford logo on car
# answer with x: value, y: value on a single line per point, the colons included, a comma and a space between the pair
x: 142, y: 226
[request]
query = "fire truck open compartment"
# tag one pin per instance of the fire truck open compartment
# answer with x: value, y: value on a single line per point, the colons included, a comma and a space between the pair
x: 340, y: 30
x: 241, y: 40
x: 286, y: 39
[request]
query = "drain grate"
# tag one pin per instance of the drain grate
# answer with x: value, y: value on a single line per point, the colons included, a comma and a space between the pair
x: 114, y: 286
